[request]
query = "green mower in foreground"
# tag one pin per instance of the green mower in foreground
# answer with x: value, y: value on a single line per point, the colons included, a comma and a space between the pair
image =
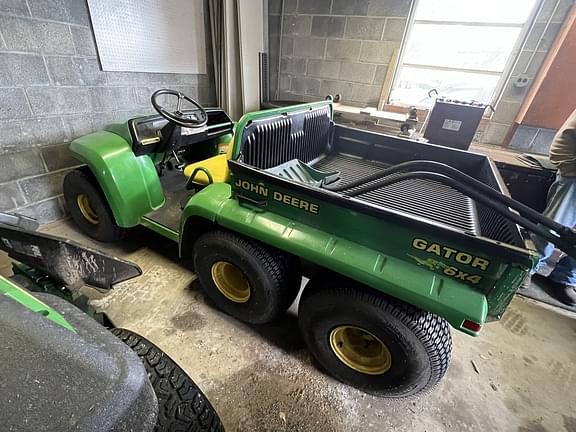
x: 64, y: 367
x: 400, y: 239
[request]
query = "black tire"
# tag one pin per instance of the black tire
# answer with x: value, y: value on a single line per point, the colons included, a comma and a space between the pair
x: 273, y: 277
x: 182, y: 405
x: 416, y: 343
x: 99, y: 224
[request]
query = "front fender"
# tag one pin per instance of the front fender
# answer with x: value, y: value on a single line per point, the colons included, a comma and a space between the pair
x: 130, y: 183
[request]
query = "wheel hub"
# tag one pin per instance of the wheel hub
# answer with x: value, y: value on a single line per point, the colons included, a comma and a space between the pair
x: 360, y: 350
x: 86, y: 209
x: 231, y: 282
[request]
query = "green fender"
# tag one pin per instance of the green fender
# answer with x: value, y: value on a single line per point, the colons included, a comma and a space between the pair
x: 452, y: 300
x: 130, y: 183
x: 14, y: 292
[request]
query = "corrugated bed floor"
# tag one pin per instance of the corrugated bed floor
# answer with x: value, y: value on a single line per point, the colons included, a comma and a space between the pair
x: 423, y: 198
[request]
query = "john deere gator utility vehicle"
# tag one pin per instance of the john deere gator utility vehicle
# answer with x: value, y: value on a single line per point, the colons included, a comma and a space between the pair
x: 64, y: 367
x: 403, y: 239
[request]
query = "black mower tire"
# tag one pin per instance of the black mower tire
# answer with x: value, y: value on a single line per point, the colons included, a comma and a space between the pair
x: 182, y: 405
x: 81, y: 182
x: 273, y: 277
x: 417, y: 344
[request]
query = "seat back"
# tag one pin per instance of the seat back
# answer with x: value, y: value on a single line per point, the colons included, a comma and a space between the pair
x: 303, y: 133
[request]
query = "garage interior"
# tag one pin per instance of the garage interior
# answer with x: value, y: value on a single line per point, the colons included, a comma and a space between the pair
x: 485, y: 88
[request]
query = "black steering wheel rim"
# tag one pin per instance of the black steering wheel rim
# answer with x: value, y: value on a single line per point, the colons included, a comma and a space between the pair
x: 177, y: 116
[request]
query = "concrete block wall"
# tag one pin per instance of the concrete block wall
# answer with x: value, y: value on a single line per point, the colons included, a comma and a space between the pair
x: 333, y: 46
x: 53, y: 90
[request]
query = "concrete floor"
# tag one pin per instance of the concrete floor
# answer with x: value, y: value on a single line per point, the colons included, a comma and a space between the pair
x: 262, y: 378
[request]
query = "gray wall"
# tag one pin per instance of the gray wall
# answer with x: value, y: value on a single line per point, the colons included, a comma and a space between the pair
x: 344, y: 46
x: 52, y: 90
x: 334, y: 46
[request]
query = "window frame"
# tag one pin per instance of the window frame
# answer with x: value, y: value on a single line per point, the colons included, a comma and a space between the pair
x: 504, y: 76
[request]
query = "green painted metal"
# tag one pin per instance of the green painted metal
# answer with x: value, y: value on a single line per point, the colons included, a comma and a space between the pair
x: 247, y: 118
x: 130, y: 182
x: 14, y: 292
x: 396, y: 277
x: 160, y: 229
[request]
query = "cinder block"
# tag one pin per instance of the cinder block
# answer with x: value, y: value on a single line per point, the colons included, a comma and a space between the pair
x: 45, y: 211
x: 83, y: 40
x: 495, y: 133
x: 20, y: 135
x: 16, y: 7
x: 53, y: 100
x: 328, y: 26
x: 333, y: 87
x: 13, y: 104
x: 377, y: 52
x: 69, y: 11
x: 309, y: 48
x: 287, y: 46
x: 10, y: 196
x: 295, y: 66
x: 284, y: 82
x: 394, y: 29
x: 506, y: 112
x: 297, y: 25
x: 69, y: 71
x: 365, y: 94
x: 380, y: 74
x: 138, y: 78
x: 357, y: 72
x: 348, y: 7
x: 23, y: 34
x: 389, y: 8
x: 275, y: 7
x: 323, y: 69
x: 561, y: 12
x: 547, y: 39
x: 314, y: 6
x: 534, y: 66
x: 343, y: 50
x: 22, y: 69
x: 59, y: 157
x: 111, y: 98
x: 18, y: 165
x: 512, y: 93
x: 43, y: 187
x: 305, y: 85
x: 364, y: 28
x: 207, y: 96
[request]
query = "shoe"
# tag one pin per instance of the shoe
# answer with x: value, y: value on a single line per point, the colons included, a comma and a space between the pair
x: 564, y: 293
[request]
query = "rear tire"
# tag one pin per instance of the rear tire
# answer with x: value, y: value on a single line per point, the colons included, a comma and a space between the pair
x: 251, y: 281
x: 89, y: 208
x: 182, y: 405
x: 374, y: 343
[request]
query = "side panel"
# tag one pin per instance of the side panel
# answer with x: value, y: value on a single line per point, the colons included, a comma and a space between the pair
x: 443, y: 296
x: 130, y: 183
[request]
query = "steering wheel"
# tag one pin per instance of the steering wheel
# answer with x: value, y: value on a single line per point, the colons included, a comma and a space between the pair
x: 178, y: 117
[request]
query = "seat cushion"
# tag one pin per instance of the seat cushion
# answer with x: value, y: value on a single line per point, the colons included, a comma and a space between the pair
x: 217, y: 166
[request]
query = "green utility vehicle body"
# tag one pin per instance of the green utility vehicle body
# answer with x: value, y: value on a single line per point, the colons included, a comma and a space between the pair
x: 465, y: 270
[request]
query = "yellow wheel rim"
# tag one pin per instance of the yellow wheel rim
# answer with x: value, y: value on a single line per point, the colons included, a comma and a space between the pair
x: 86, y: 209
x: 231, y: 282
x: 360, y: 350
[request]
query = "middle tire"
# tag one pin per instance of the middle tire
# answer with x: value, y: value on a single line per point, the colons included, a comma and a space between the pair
x: 251, y: 281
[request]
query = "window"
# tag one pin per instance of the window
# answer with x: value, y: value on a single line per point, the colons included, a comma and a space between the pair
x: 462, y: 49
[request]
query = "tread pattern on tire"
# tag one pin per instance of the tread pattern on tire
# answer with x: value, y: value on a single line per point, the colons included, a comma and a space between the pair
x: 182, y: 405
x: 432, y: 330
x: 280, y: 266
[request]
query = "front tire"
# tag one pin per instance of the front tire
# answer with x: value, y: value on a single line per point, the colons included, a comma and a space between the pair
x: 181, y: 404
x: 374, y: 343
x: 89, y: 208
x: 251, y: 281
